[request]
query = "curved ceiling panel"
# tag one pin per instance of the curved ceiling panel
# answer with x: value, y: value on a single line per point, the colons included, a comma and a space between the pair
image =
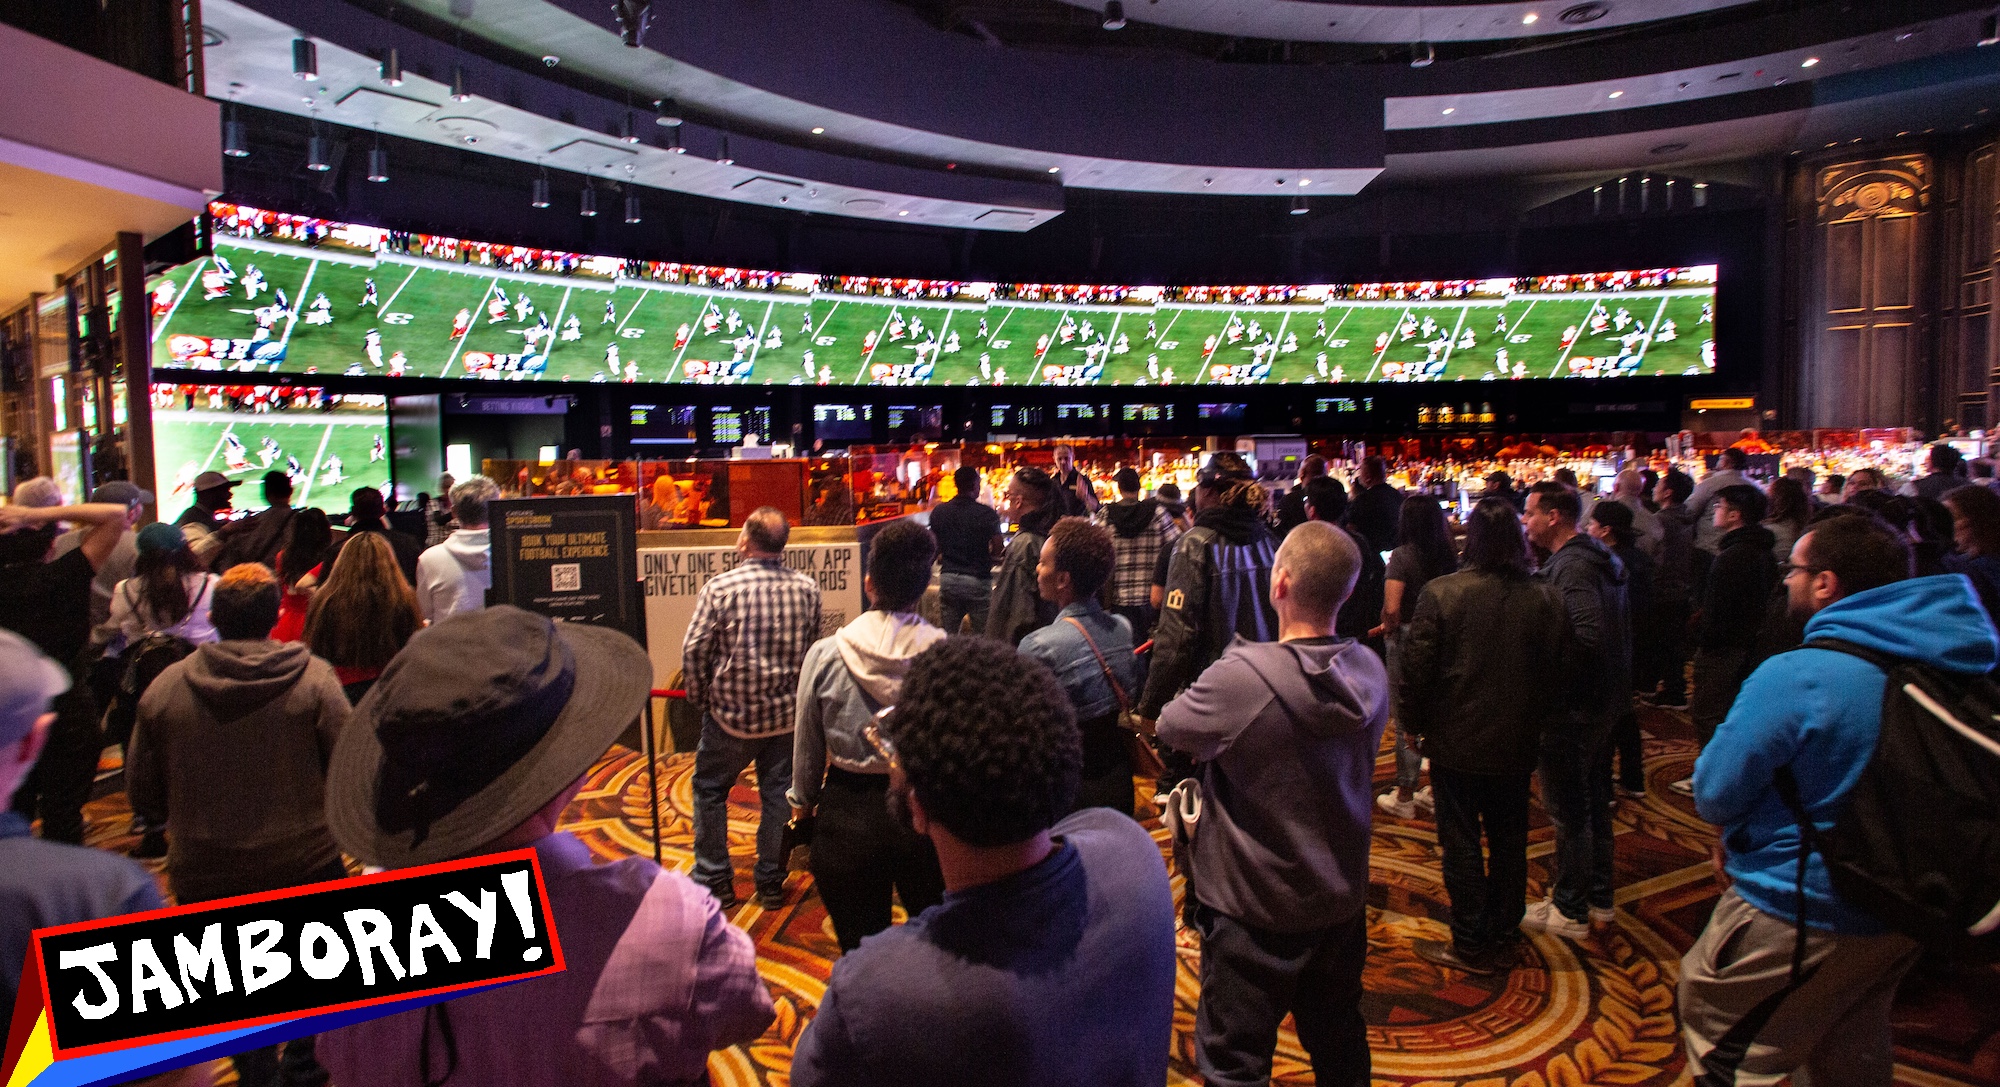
x: 1313, y: 21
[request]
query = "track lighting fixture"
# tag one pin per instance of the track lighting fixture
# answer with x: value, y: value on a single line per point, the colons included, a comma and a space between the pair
x: 589, y: 205
x: 1299, y: 206
x: 669, y: 113
x: 633, y: 17
x: 724, y: 159
x: 1114, y: 15
x: 628, y: 133
x: 1423, y: 55
x: 316, y: 157
x: 539, y: 197
x: 235, y: 140
x: 305, y: 59
x: 631, y: 206
x: 378, y: 161
x: 458, y: 91
x: 1989, y: 31
x: 674, y: 142
x: 392, y: 68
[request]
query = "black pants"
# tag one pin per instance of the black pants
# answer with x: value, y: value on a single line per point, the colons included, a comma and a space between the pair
x: 298, y: 1066
x: 1107, y: 767
x: 1718, y: 675
x: 59, y: 784
x: 1488, y: 892
x: 1670, y: 651
x: 861, y: 855
x: 1630, y: 747
x: 1250, y: 977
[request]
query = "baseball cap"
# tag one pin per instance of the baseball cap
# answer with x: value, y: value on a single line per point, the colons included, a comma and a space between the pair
x: 161, y: 537
x: 208, y: 481
x: 123, y: 493
x: 29, y: 681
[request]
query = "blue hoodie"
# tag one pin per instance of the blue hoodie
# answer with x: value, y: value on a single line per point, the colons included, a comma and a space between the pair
x: 1820, y: 711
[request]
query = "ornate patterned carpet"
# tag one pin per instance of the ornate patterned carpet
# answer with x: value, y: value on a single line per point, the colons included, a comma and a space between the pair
x: 1571, y: 1014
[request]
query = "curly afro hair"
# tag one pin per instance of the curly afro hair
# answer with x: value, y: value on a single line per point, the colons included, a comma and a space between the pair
x: 1084, y: 551
x: 988, y: 741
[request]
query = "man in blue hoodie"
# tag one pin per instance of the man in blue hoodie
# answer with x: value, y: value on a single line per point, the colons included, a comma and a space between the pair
x: 1818, y: 712
x: 1285, y: 734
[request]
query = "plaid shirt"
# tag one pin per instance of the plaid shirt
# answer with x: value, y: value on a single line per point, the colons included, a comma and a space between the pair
x: 1138, y: 557
x: 740, y: 660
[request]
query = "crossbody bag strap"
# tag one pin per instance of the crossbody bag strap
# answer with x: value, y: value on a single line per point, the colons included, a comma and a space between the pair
x: 1124, y: 705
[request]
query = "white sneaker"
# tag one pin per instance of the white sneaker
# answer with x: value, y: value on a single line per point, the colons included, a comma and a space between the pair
x: 1544, y: 917
x: 1424, y: 801
x: 1401, y: 809
x: 1601, y: 916
x: 1684, y: 786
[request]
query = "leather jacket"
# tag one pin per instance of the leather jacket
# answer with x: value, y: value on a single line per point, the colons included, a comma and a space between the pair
x: 1477, y: 670
x: 1218, y: 586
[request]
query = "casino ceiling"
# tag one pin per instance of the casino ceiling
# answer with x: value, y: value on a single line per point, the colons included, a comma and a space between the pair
x: 981, y: 113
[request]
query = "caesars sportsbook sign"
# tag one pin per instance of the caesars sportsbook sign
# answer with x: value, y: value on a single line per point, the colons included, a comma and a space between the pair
x: 570, y: 559
x: 673, y: 577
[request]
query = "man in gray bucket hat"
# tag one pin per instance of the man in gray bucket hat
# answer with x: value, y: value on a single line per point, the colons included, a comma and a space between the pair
x: 475, y: 739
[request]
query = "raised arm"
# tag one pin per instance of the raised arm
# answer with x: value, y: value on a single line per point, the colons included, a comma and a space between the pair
x: 105, y: 522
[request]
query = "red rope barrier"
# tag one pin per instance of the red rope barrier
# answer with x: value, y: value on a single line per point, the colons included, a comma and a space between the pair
x: 673, y: 692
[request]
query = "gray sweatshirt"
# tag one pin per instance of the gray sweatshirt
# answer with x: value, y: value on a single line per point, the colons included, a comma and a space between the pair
x: 1286, y: 735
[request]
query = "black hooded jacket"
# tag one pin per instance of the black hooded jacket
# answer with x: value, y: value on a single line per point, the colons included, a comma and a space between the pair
x: 1218, y: 586
x: 1592, y: 583
x: 1739, y: 583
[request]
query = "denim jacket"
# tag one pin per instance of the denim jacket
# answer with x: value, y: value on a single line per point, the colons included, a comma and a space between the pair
x: 1063, y: 648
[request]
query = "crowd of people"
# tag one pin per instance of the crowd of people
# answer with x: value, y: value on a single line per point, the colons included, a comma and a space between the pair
x: 300, y: 696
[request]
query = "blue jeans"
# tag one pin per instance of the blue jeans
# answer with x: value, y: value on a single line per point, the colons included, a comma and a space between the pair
x: 1576, y: 790
x: 1409, y: 764
x: 717, y: 763
x: 960, y: 596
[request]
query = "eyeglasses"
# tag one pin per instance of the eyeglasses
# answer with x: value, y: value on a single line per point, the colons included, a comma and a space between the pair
x: 1794, y: 568
x: 873, y: 734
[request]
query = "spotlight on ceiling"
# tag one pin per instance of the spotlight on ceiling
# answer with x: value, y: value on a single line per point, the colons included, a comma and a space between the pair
x: 633, y: 17
x: 588, y: 209
x: 1299, y: 206
x: 539, y: 197
x: 674, y: 142
x: 378, y: 162
x: 669, y: 113
x: 724, y: 159
x: 1989, y: 31
x: 316, y: 156
x: 630, y: 133
x: 1423, y: 55
x: 631, y: 206
x: 1530, y: 19
x: 392, y: 68
x: 458, y: 91
x: 235, y: 140
x: 1114, y: 15
x: 305, y: 59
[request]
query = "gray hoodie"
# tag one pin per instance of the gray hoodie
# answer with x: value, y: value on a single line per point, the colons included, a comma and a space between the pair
x: 1286, y: 735
x: 230, y: 752
x: 845, y: 679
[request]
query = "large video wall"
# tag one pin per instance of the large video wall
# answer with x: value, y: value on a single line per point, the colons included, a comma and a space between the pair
x: 291, y: 294
x: 329, y: 443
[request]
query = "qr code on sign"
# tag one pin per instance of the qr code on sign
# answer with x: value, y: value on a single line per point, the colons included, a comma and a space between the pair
x: 565, y: 577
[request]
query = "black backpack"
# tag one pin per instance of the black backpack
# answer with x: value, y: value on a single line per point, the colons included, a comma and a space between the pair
x: 1916, y: 844
x: 143, y: 661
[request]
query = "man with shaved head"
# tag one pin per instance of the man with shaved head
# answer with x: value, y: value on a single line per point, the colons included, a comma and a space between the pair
x: 1285, y: 735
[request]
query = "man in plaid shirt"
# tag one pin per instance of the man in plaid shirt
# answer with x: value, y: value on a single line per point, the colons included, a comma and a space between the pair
x: 740, y: 664
x: 1140, y: 532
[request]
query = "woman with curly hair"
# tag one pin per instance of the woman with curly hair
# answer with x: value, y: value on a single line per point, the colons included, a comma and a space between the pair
x: 363, y: 615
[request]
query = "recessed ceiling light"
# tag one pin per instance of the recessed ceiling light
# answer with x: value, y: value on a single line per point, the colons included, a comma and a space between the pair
x: 1617, y: 94
x: 1529, y: 19
x: 1449, y: 110
x: 1808, y: 62
x: 1304, y: 181
x: 818, y: 131
x: 904, y: 212
x: 1055, y: 169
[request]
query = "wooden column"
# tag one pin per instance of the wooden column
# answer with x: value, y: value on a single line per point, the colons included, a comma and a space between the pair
x: 1863, y: 328
x: 135, y: 348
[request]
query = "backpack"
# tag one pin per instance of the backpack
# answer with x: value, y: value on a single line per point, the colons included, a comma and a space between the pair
x: 143, y: 661
x: 1916, y: 843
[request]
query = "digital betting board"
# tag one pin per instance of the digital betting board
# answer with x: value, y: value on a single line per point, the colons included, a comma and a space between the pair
x: 290, y: 294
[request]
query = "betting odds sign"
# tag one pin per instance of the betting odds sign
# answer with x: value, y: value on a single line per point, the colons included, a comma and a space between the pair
x: 304, y: 958
x: 571, y: 559
x: 673, y: 577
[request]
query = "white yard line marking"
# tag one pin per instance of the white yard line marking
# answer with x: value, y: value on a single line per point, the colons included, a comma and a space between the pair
x: 384, y: 307
x: 620, y: 327
x: 179, y: 297
x: 1582, y: 330
x: 477, y: 312
x: 312, y: 475
x: 1653, y: 329
x: 939, y: 353
x: 1278, y: 343
x: 823, y: 320
x: 1035, y: 372
x: 1524, y: 317
x: 1221, y: 342
x: 1452, y: 344
x: 223, y: 437
x: 1336, y: 325
x: 868, y: 355
x: 1385, y: 348
x: 1111, y: 340
x: 555, y: 331
x: 292, y: 320
x: 693, y: 331
x: 762, y: 327
x: 1008, y: 316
